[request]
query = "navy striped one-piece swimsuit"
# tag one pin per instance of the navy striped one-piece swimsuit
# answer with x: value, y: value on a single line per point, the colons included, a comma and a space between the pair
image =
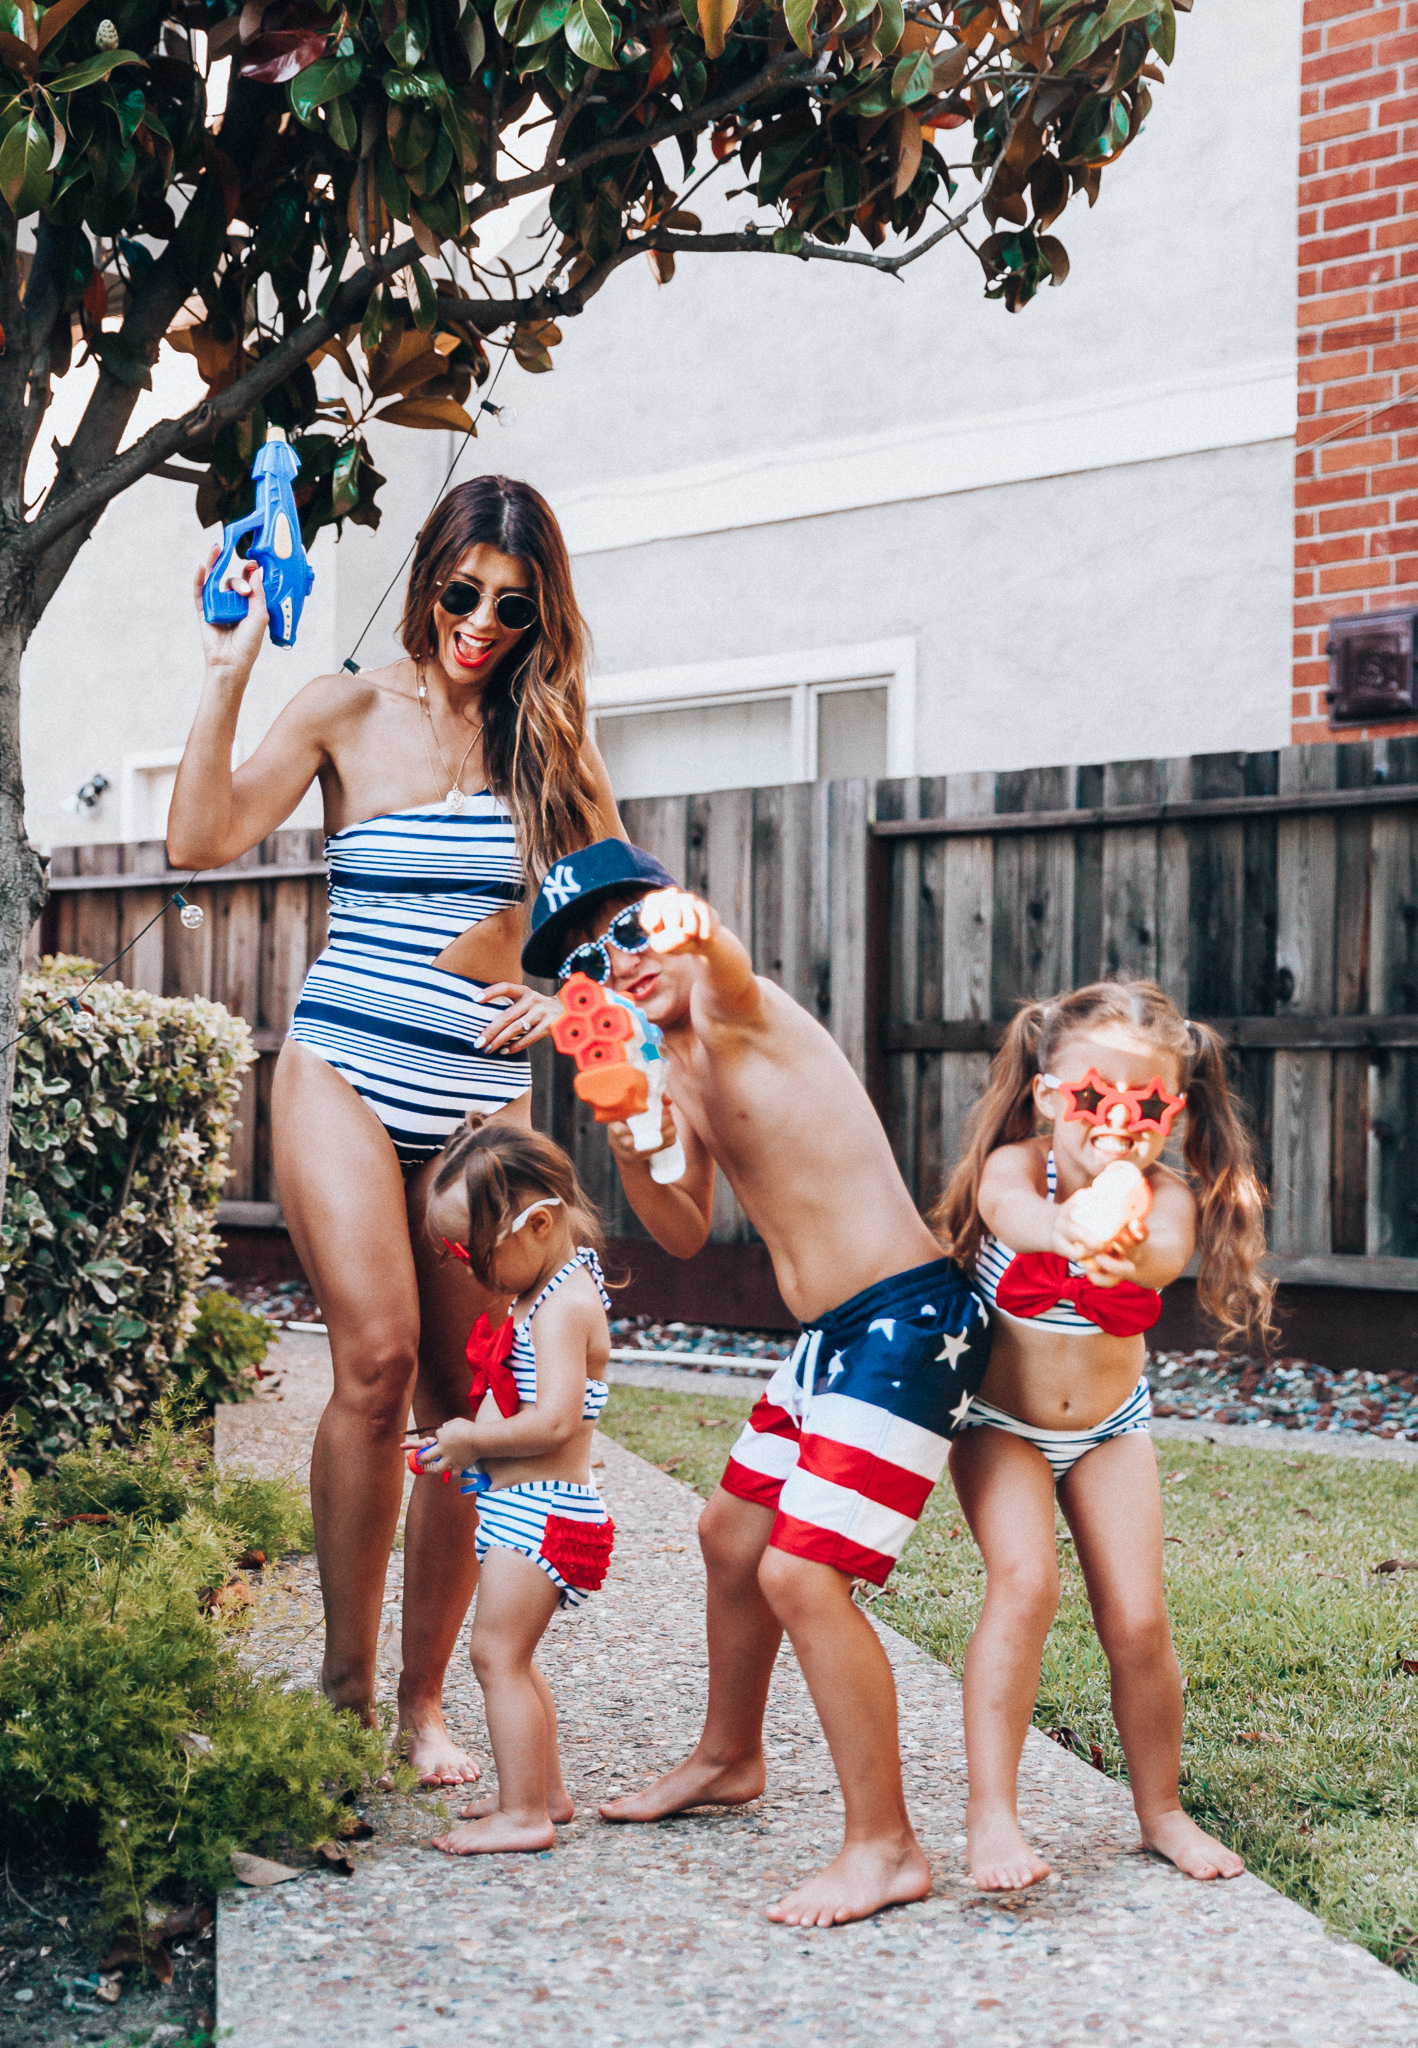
x: 403, y: 1032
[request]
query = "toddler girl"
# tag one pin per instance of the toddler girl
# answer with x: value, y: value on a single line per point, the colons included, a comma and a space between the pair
x: 507, y: 1200
x: 1070, y: 1230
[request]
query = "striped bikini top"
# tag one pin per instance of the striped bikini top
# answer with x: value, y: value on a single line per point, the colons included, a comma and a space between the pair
x: 523, y: 1359
x: 405, y: 885
x: 993, y: 1259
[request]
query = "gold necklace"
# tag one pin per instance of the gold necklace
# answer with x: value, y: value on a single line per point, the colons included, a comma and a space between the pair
x: 455, y: 799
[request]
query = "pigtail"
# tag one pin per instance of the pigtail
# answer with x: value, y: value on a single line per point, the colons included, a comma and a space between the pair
x: 1220, y: 1155
x: 1004, y: 1115
x: 503, y: 1167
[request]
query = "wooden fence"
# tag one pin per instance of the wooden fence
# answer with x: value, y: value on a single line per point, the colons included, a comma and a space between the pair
x: 1274, y: 894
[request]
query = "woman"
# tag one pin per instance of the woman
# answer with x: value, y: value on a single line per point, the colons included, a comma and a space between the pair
x: 447, y: 778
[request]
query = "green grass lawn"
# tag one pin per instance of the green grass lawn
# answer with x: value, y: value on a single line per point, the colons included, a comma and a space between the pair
x: 1301, y: 1744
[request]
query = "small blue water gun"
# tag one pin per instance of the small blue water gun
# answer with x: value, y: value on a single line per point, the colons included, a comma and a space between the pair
x: 287, y: 577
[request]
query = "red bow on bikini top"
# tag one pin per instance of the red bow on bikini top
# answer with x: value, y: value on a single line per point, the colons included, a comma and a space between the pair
x: 1034, y: 1281
x: 488, y: 1352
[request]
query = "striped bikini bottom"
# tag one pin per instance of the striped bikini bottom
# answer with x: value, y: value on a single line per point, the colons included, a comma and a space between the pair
x: 561, y: 1527
x: 404, y: 1034
x: 1064, y: 1447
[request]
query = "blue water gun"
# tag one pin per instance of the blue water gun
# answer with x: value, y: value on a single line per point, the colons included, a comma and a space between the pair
x: 287, y: 577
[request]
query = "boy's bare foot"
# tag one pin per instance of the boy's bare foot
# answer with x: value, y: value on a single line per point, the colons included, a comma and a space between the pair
x: 1195, y: 1853
x: 559, y: 1809
x: 432, y: 1754
x: 857, y: 1883
x: 497, y: 1835
x: 691, y: 1783
x: 1000, y: 1859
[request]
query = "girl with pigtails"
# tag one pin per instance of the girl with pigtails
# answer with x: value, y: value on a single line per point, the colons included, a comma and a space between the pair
x: 1063, y: 1210
x: 506, y: 1203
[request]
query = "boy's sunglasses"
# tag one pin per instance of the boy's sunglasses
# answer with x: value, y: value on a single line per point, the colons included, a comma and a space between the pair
x: 625, y: 932
x: 515, y: 609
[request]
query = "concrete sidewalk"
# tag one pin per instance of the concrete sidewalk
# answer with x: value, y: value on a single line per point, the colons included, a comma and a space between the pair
x: 656, y: 1935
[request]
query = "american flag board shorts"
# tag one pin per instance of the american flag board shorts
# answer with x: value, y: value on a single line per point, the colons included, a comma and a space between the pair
x: 852, y: 1431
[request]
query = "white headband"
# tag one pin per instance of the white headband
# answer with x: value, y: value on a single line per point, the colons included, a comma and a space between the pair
x: 546, y: 1202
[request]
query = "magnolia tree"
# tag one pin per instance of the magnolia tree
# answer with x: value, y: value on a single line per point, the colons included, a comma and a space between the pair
x: 336, y: 205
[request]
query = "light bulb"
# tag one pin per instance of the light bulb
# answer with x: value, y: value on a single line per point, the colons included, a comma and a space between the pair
x: 193, y: 916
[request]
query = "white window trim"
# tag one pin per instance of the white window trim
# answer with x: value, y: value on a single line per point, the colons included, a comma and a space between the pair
x: 132, y: 795
x: 796, y: 676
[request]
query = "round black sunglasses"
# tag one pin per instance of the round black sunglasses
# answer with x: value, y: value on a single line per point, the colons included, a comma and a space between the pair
x: 515, y: 609
x: 625, y: 932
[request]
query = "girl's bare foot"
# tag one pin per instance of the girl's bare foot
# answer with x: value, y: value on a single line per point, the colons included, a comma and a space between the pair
x: 1000, y: 1859
x: 865, y: 1877
x: 692, y: 1783
x: 432, y: 1754
x: 498, y: 1834
x: 559, y: 1808
x: 1195, y: 1853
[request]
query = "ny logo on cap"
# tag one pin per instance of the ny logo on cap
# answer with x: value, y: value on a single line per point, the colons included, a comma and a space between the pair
x: 560, y: 886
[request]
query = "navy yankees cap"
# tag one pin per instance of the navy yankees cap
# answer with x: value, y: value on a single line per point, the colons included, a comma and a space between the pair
x: 575, y: 885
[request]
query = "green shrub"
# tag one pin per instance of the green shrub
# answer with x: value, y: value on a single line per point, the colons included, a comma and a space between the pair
x: 130, y: 1736
x: 122, y: 1119
x: 219, y: 1360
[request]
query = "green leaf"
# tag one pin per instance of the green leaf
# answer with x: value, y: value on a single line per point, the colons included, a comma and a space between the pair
x: 326, y: 79
x: 890, y: 28
x: 590, y: 33
x: 503, y: 15
x: 415, y: 85
x: 341, y: 126
x: 464, y: 134
x: 424, y: 298
x: 788, y: 241
x: 535, y: 59
x: 798, y: 15
x: 1117, y: 12
x: 472, y: 36
x: 913, y: 78
x: 24, y: 166
x: 123, y: 361
x: 1080, y: 42
x: 1162, y: 29
x: 408, y: 39
x: 690, y: 10
x: 92, y: 69
x: 344, y: 482
x: 541, y: 19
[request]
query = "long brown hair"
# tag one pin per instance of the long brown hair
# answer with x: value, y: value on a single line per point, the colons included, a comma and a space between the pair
x: 503, y: 1167
x: 534, y: 708
x: 1216, y: 1143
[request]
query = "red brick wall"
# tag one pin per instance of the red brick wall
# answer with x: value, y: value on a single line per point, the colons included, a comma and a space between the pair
x: 1356, y: 496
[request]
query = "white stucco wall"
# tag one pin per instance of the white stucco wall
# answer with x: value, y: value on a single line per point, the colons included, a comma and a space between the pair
x: 1081, y: 514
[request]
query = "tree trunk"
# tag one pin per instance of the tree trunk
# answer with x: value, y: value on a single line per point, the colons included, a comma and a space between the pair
x: 22, y: 879
x: 21, y: 869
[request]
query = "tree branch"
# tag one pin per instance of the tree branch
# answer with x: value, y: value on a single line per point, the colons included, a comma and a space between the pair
x: 86, y: 497
x: 776, y: 74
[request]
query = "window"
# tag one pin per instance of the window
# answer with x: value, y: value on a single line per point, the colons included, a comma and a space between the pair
x: 831, y: 713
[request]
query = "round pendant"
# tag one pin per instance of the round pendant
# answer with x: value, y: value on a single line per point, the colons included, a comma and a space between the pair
x: 455, y: 799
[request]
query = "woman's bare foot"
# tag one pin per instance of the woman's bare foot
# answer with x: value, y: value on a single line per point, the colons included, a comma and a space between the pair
x: 692, y: 1783
x: 349, y: 1700
x: 559, y: 1808
x: 498, y: 1834
x: 859, y: 1882
x: 1000, y: 1859
x: 432, y: 1754
x: 1195, y: 1853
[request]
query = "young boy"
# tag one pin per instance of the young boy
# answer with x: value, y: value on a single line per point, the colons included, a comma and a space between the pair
x: 831, y: 1473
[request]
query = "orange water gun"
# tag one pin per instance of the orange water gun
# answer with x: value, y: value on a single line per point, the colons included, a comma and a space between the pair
x: 620, y: 1070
